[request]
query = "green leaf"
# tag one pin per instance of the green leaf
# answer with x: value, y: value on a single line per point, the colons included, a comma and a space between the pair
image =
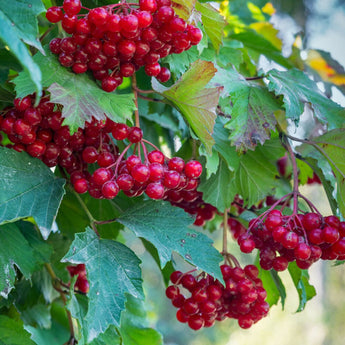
x: 243, y: 11
x: 10, y: 35
x: 134, y: 325
x: 165, y: 226
x: 55, y: 335
x: 301, y: 280
x: 196, y: 103
x: 112, y: 270
x: 81, y: 97
x: 23, y: 14
x: 28, y: 188
x: 255, y: 177
x: 221, y: 136
x: 298, y: 90
x: 274, y: 287
x: 260, y: 45
x: 213, y: 23
x: 13, y: 333
x: 253, y: 107
x: 217, y: 189
x: 329, y: 152
x: 19, y: 247
x: 179, y: 63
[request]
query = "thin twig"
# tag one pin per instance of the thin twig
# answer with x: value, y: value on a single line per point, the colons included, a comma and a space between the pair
x: 56, y: 283
x: 136, y: 112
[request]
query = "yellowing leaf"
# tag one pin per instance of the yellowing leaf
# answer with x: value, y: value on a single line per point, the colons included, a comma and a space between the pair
x: 269, y: 32
x: 183, y: 8
x: 269, y: 9
x: 213, y: 22
x: 196, y: 103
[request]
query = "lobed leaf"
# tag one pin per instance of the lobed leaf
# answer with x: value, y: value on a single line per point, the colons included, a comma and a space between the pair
x: 165, y: 226
x: 112, y: 270
x: 252, y: 112
x: 217, y: 189
x: 213, y: 23
x: 298, y: 90
x: 19, y: 247
x: 196, y: 103
x: 28, y: 188
x: 13, y: 333
x: 81, y: 97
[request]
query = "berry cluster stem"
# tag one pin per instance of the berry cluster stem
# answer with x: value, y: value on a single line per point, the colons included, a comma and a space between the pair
x: 134, y: 87
x: 295, y: 177
x: 225, y: 232
x: 57, y: 286
x: 93, y: 221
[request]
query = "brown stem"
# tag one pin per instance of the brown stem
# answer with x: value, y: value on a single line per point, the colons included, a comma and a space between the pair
x: 151, y: 99
x: 143, y: 91
x: 320, y: 149
x: 56, y: 283
x: 255, y: 78
x: 295, y: 177
x: 225, y: 233
x: 136, y: 112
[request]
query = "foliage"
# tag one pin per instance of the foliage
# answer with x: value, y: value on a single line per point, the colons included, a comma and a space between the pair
x: 220, y: 108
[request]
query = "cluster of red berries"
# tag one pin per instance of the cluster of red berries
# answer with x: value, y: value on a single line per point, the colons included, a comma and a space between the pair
x: 304, y: 238
x: 116, y: 40
x: 82, y: 284
x: 242, y: 298
x: 39, y: 131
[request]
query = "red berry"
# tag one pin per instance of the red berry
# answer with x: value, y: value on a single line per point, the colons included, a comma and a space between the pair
x: 193, y: 169
x: 196, y: 322
x: 71, y: 7
x: 54, y: 14
x: 155, y: 190
x: 98, y: 16
x: 101, y: 175
x: 148, y: 5
x: 172, y: 291
x: 110, y: 189
x: 81, y: 185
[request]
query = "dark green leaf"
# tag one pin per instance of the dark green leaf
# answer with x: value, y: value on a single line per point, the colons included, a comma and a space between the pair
x: 260, y: 45
x: 20, y: 247
x: 298, y: 90
x: 134, y: 325
x: 252, y: 112
x: 55, y: 335
x: 196, y: 103
x: 112, y: 270
x: 81, y: 97
x: 28, y: 188
x: 217, y: 189
x: 23, y: 16
x: 165, y: 227
x: 179, y: 63
x: 255, y: 177
x: 221, y: 136
x: 13, y: 333
x: 274, y: 287
x: 301, y: 280
x: 241, y: 9
x: 9, y: 36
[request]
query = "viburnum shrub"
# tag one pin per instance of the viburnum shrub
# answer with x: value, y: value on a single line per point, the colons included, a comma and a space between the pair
x: 94, y: 147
